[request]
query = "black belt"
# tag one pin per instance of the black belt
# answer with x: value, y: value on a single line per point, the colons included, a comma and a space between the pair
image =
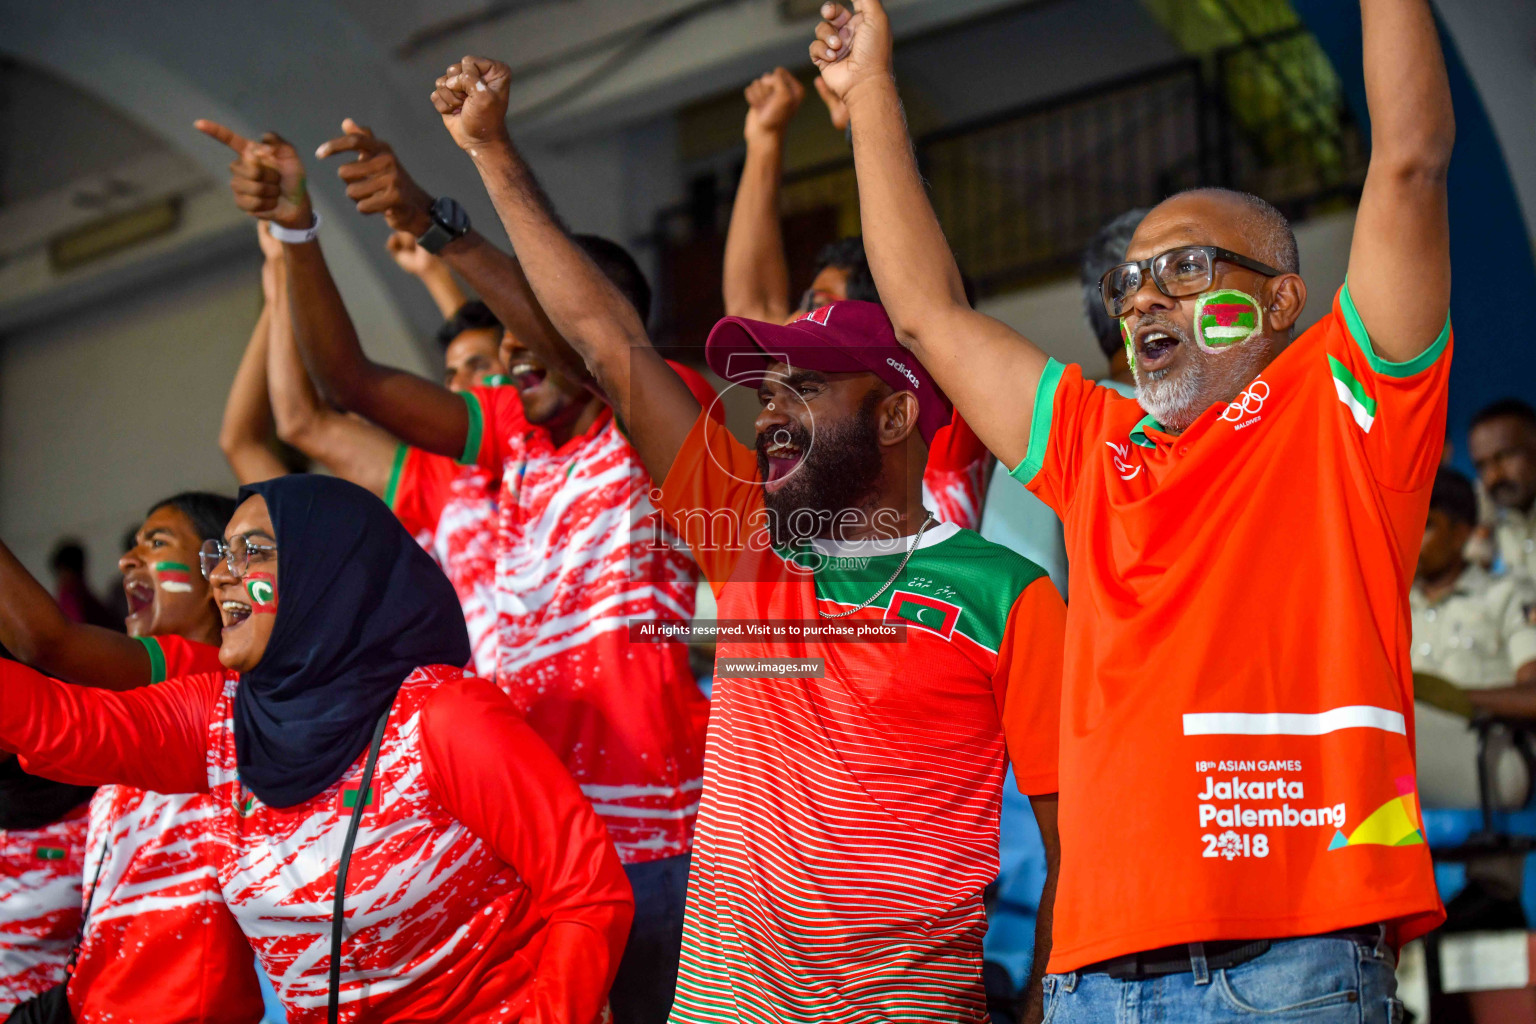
x: 1154, y: 963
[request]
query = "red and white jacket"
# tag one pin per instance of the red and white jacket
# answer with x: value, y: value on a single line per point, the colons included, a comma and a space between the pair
x: 40, y: 872
x: 451, y: 511
x: 481, y: 886
x: 157, y: 901
x: 957, y: 474
x: 581, y: 554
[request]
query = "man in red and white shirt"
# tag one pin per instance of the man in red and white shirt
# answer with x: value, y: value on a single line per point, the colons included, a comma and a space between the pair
x: 576, y: 558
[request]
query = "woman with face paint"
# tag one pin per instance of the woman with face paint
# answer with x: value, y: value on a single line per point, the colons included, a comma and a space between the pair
x: 481, y: 886
x: 141, y: 855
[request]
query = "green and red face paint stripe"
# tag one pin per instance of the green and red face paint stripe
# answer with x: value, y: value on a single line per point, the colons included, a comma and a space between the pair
x: 1227, y: 317
x: 174, y: 577
x: 263, y: 590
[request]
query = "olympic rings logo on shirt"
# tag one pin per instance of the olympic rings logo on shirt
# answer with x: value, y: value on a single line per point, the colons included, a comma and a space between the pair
x: 1248, y: 403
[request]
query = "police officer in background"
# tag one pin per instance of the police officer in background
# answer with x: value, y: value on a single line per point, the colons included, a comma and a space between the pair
x: 1502, y: 444
x: 1476, y: 631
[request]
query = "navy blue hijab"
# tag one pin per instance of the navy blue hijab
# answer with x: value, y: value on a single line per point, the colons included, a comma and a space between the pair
x: 360, y: 606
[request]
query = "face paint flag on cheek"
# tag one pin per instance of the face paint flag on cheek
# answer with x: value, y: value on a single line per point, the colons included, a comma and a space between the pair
x: 263, y: 590
x: 495, y: 380
x: 1130, y: 346
x: 174, y: 577
x: 1227, y: 317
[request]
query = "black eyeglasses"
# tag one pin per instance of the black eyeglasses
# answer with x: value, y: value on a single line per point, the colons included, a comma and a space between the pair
x: 1187, y: 270
x: 236, y: 555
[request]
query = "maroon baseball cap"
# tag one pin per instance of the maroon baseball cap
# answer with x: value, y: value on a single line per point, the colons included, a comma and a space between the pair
x: 841, y: 337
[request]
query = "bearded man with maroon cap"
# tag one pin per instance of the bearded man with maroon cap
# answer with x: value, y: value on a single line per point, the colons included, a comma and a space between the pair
x: 849, y: 818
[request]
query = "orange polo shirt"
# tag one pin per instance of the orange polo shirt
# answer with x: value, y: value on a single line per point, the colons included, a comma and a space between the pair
x: 1237, y: 701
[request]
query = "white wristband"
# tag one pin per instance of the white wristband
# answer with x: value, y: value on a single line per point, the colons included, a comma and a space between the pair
x: 295, y: 236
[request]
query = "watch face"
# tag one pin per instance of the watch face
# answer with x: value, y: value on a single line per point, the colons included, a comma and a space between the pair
x: 451, y: 215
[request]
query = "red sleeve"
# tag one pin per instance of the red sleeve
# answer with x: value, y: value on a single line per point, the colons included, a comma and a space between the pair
x: 154, y: 737
x: 701, y: 388
x: 419, y: 487
x: 495, y: 414
x: 1027, y: 685
x: 1069, y: 415
x: 491, y: 772
x: 711, y: 498
x: 1397, y: 410
x: 957, y: 474
x: 171, y: 657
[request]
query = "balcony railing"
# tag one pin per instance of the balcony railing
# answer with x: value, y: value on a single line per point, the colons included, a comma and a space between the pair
x: 1020, y: 192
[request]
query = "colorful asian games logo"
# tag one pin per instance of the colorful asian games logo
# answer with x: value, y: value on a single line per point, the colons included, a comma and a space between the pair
x: 1394, y: 823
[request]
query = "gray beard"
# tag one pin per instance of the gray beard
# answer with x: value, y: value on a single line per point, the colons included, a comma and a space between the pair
x: 1208, y: 378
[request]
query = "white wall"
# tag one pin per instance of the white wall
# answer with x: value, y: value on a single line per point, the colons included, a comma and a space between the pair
x: 116, y: 407
x: 1497, y: 43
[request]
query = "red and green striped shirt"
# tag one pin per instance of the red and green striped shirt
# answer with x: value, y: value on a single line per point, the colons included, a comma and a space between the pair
x: 849, y: 823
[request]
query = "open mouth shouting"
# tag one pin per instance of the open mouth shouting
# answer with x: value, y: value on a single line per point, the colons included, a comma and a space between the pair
x: 781, y: 456
x: 140, y: 591
x: 234, y: 613
x: 526, y: 374
x: 1156, y: 345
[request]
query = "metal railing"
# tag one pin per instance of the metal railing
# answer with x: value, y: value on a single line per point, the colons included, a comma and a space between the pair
x: 1020, y: 192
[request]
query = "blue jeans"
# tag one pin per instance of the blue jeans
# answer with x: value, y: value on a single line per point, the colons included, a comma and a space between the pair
x: 1316, y: 981
x: 642, y: 989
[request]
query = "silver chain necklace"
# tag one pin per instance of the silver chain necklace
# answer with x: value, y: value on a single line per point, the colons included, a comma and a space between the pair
x: 916, y: 541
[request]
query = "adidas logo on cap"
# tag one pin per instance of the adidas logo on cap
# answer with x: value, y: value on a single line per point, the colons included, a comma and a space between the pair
x: 902, y: 369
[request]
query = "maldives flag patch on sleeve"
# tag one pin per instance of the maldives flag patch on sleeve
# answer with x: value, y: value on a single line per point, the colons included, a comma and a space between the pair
x: 49, y: 853
x: 924, y: 612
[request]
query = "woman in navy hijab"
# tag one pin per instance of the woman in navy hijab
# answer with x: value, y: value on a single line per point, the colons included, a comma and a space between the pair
x: 481, y: 886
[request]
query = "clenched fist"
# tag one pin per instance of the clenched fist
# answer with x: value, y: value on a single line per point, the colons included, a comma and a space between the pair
x: 773, y: 100
x: 375, y: 180
x: 471, y: 96
x: 409, y: 256
x: 852, y: 46
x: 267, y: 177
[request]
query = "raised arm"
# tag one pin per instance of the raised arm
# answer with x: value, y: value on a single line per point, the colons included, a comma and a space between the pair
x: 650, y: 399
x: 380, y: 184
x: 351, y: 448
x: 756, y: 278
x: 989, y: 370
x: 430, y: 270
x: 1402, y: 230
x: 247, y: 425
x: 154, y: 737
x: 492, y: 772
x: 35, y: 630
x: 267, y: 179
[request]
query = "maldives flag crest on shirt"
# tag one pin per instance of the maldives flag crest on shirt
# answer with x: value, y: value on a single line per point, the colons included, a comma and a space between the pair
x: 924, y: 612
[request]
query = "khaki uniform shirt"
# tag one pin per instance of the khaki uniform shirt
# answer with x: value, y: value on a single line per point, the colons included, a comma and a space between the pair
x: 1480, y: 633
x: 1516, y: 534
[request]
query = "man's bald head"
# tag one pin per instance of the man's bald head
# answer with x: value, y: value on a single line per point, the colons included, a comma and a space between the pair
x: 1238, y: 221
x: 1176, y: 377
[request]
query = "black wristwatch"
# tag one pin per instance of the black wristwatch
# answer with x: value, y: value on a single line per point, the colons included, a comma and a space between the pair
x: 449, y: 221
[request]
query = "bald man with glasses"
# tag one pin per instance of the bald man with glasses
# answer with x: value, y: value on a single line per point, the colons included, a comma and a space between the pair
x: 1239, y: 825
